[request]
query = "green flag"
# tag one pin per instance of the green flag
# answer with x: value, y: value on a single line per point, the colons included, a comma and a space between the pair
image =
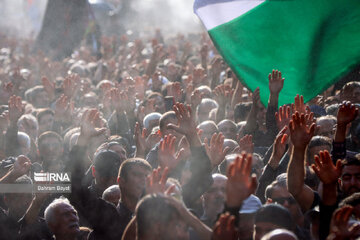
x: 312, y: 42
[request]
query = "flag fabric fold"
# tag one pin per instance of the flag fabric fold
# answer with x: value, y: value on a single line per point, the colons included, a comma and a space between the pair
x: 312, y: 42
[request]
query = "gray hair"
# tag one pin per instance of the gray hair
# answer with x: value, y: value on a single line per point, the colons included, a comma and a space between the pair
x: 25, y: 137
x: 49, y: 213
x: 110, y: 190
x: 150, y: 117
x: 28, y: 117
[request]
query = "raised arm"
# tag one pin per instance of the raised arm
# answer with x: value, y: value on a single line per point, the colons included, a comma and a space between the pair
x: 16, y: 110
x: 301, y: 134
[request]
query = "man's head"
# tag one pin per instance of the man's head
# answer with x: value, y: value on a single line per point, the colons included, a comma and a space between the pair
x: 151, y: 120
x: 271, y: 217
x: 208, y: 129
x: 28, y: 123
x: 159, y: 102
x: 228, y: 128
x: 167, y: 118
x: 280, y: 234
x: 50, y: 146
x: 277, y: 193
x: 105, y: 169
x: 317, y: 144
x: 45, y: 119
x: 112, y: 194
x: 326, y: 126
x: 118, y: 148
x: 62, y: 219
x: 132, y: 177
x: 351, y: 92
x: 247, y: 217
x: 38, y: 97
x: 350, y: 176
x: 214, y: 198
x: 157, y: 218
x: 24, y: 143
x: 204, y: 108
x: 241, y: 111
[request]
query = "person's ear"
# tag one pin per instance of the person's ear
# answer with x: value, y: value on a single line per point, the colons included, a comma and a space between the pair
x: 268, y: 201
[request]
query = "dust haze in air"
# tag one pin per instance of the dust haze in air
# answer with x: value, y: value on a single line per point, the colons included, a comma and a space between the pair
x: 23, y: 18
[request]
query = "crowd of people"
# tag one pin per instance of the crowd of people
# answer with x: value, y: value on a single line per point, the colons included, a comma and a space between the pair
x: 163, y: 141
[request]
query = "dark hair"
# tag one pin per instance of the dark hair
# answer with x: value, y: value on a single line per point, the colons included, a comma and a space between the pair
x: 281, y: 182
x: 352, y: 200
x: 164, y: 118
x: 275, y: 214
x: 131, y: 162
x: 107, y: 163
x: 154, y: 209
x: 122, y: 141
x: 241, y: 111
x: 316, y: 142
x: 48, y: 134
x: 43, y: 112
x: 352, y: 159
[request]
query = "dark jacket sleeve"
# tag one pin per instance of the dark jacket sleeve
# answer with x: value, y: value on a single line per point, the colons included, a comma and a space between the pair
x: 101, y: 215
x: 11, y: 141
x: 338, y: 151
x: 266, y: 178
x: 271, y: 125
x: 201, y: 178
x: 326, y: 213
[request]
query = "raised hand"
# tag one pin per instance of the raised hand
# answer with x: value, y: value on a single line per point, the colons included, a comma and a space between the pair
x: 21, y: 166
x: 186, y: 124
x: 299, y: 105
x: 156, y: 182
x: 195, y: 99
x: 140, y: 139
x: 223, y: 95
x: 347, y: 113
x: 174, y: 89
x: 166, y: 154
x: 339, y: 226
x: 240, y: 185
x: 204, y: 51
x: 276, y: 82
x: 324, y: 168
x: 256, y: 98
x: 279, y: 148
x: 300, y: 132
x: 49, y: 87
x: 61, y: 106
x: 283, y: 117
x: 90, y: 126
x: 215, y: 149
x: 199, y: 76
x: 121, y: 102
x: 16, y: 109
x: 246, y: 144
x: 70, y: 85
x: 225, y: 228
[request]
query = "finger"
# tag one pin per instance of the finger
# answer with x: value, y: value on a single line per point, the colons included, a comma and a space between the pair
x: 170, y: 190
x: 248, y: 165
x: 164, y: 176
x: 284, y: 138
x: 317, y: 161
x: 316, y: 170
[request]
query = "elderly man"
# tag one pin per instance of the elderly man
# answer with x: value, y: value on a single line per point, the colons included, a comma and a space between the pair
x: 62, y: 219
